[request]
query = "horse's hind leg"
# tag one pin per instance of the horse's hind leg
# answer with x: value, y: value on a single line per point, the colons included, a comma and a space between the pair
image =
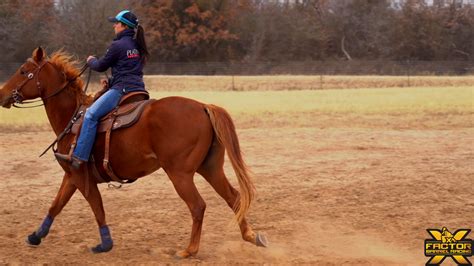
x: 184, y: 185
x: 213, y: 171
x: 65, y: 193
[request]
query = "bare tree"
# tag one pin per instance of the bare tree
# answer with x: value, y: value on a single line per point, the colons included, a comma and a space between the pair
x: 82, y: 26
x: 22, y: 28
x: 249, y: 30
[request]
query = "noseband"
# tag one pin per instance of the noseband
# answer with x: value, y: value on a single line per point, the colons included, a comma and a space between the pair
x: 17, y: 95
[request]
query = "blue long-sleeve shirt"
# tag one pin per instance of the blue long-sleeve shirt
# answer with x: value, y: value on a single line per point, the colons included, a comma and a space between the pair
x: 126, y: 63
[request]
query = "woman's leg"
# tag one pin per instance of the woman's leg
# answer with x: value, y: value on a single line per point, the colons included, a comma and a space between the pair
x: 106, y: 103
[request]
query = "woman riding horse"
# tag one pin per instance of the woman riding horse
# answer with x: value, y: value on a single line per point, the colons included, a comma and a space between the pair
x: 179, y: 135
x: 126, y: 56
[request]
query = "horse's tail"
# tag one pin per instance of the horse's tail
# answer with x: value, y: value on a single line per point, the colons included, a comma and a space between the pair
x: 225, y: 131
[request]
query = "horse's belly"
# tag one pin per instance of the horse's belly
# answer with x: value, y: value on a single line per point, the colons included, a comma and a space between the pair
x: 130, y: 153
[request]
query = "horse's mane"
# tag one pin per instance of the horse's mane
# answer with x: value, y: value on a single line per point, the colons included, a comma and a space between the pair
x: 67, y: 64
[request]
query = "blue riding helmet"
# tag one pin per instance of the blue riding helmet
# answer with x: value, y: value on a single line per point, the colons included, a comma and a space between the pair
x: 126, y: 17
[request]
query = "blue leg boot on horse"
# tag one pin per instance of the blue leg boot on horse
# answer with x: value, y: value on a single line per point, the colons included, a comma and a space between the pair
x: 35, y: 238
x: 107, y: 242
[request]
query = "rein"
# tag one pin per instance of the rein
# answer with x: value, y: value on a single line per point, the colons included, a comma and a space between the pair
x: 75, y: 115
x: 18, y: 97
x: 66, y: 131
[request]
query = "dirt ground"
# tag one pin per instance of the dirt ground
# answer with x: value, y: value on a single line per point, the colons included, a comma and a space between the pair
x: 332, y: 196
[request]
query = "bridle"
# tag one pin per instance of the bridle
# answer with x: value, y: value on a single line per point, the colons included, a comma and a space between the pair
x: 17, y: 95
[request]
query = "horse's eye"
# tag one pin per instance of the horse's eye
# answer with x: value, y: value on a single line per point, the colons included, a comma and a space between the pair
x: 23, y: 72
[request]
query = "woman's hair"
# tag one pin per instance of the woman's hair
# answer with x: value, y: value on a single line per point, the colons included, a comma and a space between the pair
x: 140, y: 37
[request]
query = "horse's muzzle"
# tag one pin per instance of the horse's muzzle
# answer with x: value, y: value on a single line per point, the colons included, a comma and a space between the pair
x: 6, y: 103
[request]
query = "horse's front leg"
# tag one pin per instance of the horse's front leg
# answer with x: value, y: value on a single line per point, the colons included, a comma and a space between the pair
x: 94, y: 199
x: 65, y: 193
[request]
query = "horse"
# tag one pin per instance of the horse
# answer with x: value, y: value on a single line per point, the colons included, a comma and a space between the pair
x: 180, y: 135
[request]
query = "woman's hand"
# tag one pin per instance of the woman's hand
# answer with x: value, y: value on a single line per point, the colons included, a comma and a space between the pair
x: 90, y: 58
x: 105, y: 87
x: 104, y: 83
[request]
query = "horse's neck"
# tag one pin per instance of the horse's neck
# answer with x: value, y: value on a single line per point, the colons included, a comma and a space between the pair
x: 60, y: 109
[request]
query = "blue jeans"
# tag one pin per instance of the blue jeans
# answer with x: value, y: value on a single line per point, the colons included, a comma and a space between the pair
x: 106, y: 103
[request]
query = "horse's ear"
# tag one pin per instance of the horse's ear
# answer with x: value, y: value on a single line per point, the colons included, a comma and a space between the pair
x: 39, y: 54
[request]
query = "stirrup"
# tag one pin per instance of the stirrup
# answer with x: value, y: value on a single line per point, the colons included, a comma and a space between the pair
x: 75, y: 162
x: 63, y: 157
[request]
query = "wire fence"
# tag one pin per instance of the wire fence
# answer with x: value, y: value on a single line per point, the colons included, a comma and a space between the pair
x: 394, y: 68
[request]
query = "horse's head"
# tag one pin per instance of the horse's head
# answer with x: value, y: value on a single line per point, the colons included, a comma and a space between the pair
x: 26, y: 82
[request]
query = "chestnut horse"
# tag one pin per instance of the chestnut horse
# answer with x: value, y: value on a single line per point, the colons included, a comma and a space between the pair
x: 180, y: 135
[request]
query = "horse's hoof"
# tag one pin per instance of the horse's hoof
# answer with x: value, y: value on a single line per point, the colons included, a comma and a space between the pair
x: 261, y: 240
x: 100, y: 249
x: 33, y: 240
x: 183, y: 254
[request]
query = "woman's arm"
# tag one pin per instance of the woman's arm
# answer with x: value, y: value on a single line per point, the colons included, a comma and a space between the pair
x: 105, y: 62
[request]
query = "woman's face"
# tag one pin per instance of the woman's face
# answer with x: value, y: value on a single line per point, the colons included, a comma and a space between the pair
x: 119, y: 27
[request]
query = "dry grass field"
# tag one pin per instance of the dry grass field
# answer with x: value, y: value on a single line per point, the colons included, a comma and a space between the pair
x: 344, y: 177
x: 300, y: 107
x: 295, y: 82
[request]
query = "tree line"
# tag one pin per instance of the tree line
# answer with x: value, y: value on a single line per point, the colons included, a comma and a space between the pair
x: 247, y: 30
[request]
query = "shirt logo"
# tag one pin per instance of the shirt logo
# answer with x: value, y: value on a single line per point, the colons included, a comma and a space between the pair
x: 133, y: 53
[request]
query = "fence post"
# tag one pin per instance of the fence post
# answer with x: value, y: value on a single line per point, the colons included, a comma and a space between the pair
x: 408, y: 73
x: 233, y: 82
x: 321, y: 81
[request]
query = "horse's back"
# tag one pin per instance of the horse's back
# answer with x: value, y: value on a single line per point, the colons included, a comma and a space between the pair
x: 171, y: 102
x: 177, y: 111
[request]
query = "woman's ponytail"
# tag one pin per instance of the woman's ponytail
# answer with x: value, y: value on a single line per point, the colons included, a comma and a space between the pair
x: 141, y: 43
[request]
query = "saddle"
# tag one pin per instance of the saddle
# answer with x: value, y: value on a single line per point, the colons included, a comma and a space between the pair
x: 126, y: 114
